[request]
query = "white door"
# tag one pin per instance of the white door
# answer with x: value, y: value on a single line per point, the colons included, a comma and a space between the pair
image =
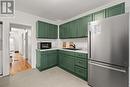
x: 26, y: 44
x: 1, y: 48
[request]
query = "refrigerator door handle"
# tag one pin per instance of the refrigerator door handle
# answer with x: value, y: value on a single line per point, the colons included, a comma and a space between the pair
x: 89, y: 42
x: 107, y: 67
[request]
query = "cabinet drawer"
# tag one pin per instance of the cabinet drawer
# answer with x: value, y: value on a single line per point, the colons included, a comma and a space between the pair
x: 81, y: 62
x: 70, y: 53
x: 52, y: 51
x: 81, y: 55
x: 67, y: 53
x: 81, y: 72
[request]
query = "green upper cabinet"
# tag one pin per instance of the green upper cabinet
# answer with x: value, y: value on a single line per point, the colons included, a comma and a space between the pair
x: 82, y: 30
x: 79, y: 27
x: 115, y: 10
x: 46, y: 30
x: 72, y: 30
x: 52, y: 31
x: 99, y: 15
x: 41, y: 29
x: 61, y: 31
x: 75, y: 29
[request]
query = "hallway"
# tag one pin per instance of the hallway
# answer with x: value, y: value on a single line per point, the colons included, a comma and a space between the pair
x: 19, y: 64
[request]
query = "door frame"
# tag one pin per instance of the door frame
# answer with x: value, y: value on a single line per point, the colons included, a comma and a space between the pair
x: 25, y: 27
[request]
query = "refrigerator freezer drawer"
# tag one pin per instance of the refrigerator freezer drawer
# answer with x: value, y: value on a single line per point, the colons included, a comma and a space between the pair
x: 103, y: 76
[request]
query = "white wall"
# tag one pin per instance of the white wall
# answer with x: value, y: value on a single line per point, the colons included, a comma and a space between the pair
x: 24, y: 19
x: 29, y: 46
x: 11, y: 44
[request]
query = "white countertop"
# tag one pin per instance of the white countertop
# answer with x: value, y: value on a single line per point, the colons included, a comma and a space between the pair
x: 79, y: 51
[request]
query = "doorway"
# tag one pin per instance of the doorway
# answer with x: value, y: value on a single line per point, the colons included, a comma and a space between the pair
x: 20, y: 49
x: 1, y: 50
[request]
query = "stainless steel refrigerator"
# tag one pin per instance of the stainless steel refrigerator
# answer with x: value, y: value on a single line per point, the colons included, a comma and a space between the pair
x: 109, y: 52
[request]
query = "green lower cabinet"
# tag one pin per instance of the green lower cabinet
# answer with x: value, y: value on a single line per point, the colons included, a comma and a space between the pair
x: 75, y: 63
x: 61, y: 60
x: 81, y: 62
x: 52, y: 59
x: 66, y: 62
x: 46, y: 59
x: 81, y: 72
x: 70, y: 63
x: 41, y: 60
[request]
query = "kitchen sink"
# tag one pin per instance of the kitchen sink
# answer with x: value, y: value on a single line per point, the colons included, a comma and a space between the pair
x: 72, y: 48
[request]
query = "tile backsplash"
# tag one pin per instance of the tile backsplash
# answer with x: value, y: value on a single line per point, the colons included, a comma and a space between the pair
x: 81, y: 43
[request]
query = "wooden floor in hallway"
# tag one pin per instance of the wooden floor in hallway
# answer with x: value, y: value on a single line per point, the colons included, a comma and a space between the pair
x: 19, y: 64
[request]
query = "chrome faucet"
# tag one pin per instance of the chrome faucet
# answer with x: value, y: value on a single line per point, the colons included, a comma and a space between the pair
x: 73, y: 45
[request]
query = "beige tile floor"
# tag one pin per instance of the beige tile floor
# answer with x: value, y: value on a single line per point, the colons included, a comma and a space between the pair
x: 54, y: 77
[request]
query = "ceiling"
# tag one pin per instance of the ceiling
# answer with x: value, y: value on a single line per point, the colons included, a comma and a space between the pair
x: 58, y: 9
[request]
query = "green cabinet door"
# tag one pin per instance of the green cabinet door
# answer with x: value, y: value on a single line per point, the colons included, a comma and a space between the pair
x: 73, y: 29
x: 70, y: 63
x: 52, y: 59
x: 44, y: 64
x: 55, y: 35
x: 61, y: 35
x: 78, y: 27
x: 52, y: 31
x: 62, y: 60
x: 99, y: 15
x: 115, y: 10
x: 46, y: 30
x: 66, y: 62
x: 41, y: 60
x: 67, y: 30
x: 38, y: 59
x: 63, y: 31
x: 83, y: 26
x: 46, y: 59
x: 41, y: 30
x: 81, y: 72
